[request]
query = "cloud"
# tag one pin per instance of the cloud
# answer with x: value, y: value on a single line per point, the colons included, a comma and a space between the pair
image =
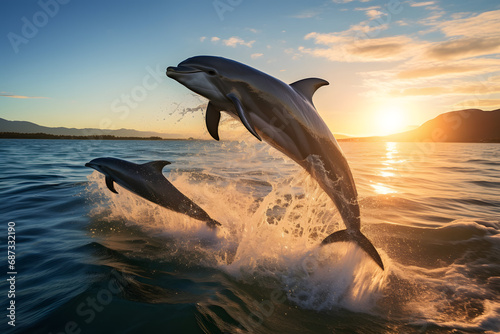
x: 478, y: 103
x: 484, y: 24
x: 372, y: 12
x: 430, y: 68
x: 467, y: 78
x: 203, y: 38
x: 365, y: 30
x: 416, y: 78
x: 366, y: 8
x: 426, y: 70
x: 422, y: 4
x: 307, y: 14
x: 439, y: 70
x: 461, y: 15
x: 351, y: 49
x: 454, y: 66
x: 22, y: 96
x: 463, y: 48
x: 432, y: 20
x: 235, y: 41
x: 215, y: 39
x: 419, y: 91
x: 482, y: 88
x: 357, y: 39
x: 347, y: 1
x: 362, y: 31
x: 473, y: 36
x: 295, y: 55
x: 325, y: 39
x: 256, y: 55
x: 379, y: 49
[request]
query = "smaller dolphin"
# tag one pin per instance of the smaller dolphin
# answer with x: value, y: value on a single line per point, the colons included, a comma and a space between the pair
x: 148, y: 181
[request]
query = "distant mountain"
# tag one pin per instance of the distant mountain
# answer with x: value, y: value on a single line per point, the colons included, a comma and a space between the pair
x: 341, y: 136
x: 28, y: 127
x: 469, y: 125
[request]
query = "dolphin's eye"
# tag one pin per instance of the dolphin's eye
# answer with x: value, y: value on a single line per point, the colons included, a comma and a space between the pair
x: 211, y: 72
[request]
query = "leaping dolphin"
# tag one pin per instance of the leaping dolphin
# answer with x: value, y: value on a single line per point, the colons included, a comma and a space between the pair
x: 147, y: 181
x: 285, y: 117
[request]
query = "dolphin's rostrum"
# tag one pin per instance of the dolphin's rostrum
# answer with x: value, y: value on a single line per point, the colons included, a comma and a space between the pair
x: 147, y: 181
x: 284, y: 116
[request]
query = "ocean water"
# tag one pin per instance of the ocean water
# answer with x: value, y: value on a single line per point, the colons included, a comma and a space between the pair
x: 90, y: 261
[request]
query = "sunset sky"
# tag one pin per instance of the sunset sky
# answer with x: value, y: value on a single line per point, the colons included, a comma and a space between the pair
x: 391, y: 65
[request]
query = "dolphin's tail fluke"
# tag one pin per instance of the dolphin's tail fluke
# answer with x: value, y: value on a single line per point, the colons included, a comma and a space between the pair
x: 213, y: 223
x: 358, y: 238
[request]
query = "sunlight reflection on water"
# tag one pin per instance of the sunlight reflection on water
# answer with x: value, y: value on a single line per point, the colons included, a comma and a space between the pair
x: 388, y: 169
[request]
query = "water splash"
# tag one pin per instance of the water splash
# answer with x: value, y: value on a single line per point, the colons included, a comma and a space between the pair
x: 274, y: 216
x: 272, y: 240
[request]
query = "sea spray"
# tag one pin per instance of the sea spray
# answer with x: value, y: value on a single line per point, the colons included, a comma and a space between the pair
x: 271, y: 240
x: 438, y: 234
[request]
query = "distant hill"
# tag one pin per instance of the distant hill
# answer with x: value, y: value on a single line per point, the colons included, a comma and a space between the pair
x: 469, y: 126
x: 28, y: 127
x: 341, y: 136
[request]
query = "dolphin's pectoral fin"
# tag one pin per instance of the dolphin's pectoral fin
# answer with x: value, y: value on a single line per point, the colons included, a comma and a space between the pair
x: 307, y: 87
x: 212, y: 118
x: 359, y: 239
x: 110, y: 184
x: 157, y: 165
x: 243, y: 116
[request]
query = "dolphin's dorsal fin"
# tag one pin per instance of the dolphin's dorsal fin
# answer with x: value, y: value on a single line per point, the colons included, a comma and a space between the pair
x: 157, y: 165
x: 307, y: 87
x: 212, y: 118
x: 110, y: 184
x: 243, y: 116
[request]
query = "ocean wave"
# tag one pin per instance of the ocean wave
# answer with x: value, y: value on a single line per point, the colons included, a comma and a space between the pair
x: 262, y: 271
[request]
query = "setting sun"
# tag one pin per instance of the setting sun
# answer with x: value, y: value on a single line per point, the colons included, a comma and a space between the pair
x: 391, y: 120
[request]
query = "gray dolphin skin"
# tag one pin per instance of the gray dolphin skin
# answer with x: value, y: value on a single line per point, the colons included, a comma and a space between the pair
x: 148, y: 181
x: 284, y: 116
